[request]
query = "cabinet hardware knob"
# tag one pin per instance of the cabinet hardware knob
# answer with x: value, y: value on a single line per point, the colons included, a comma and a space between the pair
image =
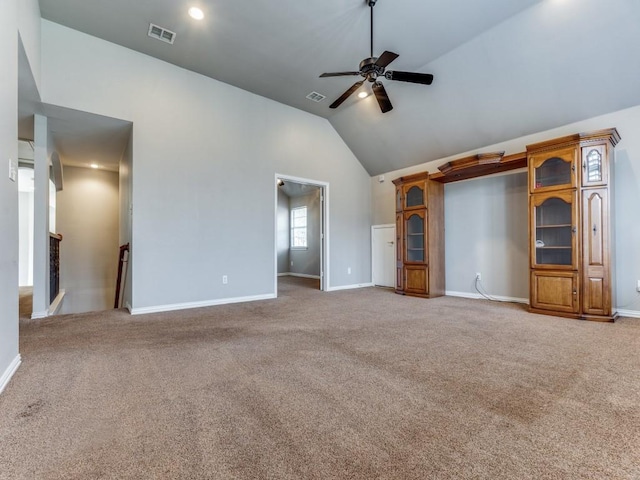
x: 595, y: 229
x: 575, y: 293
x: 573, y: 168
x: 584, y: 166
x: 573, y: 229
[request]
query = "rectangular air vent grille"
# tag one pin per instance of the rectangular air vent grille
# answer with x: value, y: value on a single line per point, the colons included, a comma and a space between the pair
x: 161, y: 33
x: 316, y: 97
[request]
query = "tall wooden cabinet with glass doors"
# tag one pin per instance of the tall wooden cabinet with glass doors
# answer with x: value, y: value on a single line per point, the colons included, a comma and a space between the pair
x: 419, y: 236
x: 571, y: 244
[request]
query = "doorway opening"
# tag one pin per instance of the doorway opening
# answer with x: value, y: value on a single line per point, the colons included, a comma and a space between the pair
x: 302, y: 241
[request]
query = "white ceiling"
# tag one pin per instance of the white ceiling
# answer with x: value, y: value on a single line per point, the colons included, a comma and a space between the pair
x: 503, y: 68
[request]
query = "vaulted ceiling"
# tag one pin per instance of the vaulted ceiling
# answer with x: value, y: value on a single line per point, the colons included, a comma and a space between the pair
x: 503, y: 68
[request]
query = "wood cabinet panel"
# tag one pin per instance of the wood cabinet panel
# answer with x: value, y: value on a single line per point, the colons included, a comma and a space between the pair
x: 420, y: 242
x: 595, y: 244
x: 416, y: 279
x: 555, y: 291
x: 399, y: 251
x: 580, y: 286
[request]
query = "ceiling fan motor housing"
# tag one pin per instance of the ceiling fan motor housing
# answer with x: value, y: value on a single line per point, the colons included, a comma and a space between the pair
x: 370, y: 70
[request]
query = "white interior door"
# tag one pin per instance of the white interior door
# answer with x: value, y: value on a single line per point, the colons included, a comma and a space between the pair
x: 384, y: 255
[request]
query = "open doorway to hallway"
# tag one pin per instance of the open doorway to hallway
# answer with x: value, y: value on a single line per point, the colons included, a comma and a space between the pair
x: 301, y: 232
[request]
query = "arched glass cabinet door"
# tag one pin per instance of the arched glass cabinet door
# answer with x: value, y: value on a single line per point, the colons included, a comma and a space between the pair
x: 594, y: 166
x: 414, y: 195
x: 554, y: 223
x: 415, y: 237
x: 555, y: 170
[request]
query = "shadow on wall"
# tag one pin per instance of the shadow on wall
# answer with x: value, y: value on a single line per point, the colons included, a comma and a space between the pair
x: 626, y: 198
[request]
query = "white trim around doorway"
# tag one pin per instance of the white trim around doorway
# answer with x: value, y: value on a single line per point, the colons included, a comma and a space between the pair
x: 324, y: 228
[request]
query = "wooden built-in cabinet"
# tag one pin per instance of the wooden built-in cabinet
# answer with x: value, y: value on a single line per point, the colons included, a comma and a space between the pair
x: 419, y: 236
x: 571, y: 242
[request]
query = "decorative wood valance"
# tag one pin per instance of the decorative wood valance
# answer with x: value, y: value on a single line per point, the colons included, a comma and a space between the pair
x: 478, y: 165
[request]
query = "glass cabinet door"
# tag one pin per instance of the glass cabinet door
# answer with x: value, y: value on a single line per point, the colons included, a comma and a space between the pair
x: 594, y: 169
x: 414, y: 237
x: 553, y: 170
x: 414, y: 195
x: 553, y: 218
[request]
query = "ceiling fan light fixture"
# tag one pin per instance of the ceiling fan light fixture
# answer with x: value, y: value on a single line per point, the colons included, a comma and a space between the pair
x: 196, y: 13
x: 363, y: 94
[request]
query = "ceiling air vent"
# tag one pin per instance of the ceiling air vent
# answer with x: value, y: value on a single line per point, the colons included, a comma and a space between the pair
x: 161, y: 33
x: 316, y: 97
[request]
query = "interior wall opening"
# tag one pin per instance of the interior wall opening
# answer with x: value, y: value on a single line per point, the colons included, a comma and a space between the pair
x: 300, y: 237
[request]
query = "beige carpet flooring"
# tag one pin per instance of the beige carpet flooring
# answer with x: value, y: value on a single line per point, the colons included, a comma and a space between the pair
x: 359, y: 384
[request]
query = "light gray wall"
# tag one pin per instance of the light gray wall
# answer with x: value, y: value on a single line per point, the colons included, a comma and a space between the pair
x: 205, y: 155
x: 29, y: 28
x: 8, y: 189
x: 284, y: 238
x: 476, y: 209
x: 486, y: 225
x: 307, y: 262
x: 25, y: 245
x: 87, y: 214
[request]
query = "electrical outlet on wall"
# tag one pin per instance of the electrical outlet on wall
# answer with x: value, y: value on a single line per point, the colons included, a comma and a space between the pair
x: 348, y: 270
x: 638, y: 286
x: 478, y: 276
x: 225, y: 280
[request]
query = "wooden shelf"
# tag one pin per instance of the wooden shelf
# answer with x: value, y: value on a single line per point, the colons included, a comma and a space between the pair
x: 478, y: 166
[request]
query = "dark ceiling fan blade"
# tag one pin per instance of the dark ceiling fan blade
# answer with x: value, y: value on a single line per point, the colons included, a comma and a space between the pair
x: 412, y: 77
x: 339, y: 74
x: 382, y: 97
x: 346, y: 94
x: 386, y: 58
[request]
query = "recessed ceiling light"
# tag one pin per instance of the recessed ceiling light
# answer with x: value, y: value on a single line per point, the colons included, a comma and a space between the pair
x: 94, y: 165
x: 363, y: 95
x: 196, y: 13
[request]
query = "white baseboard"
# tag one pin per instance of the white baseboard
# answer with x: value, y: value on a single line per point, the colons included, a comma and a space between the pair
x: 127, y: 305
x: 299, y: 275
x: 8, y: 373
x: 350, y: 287
x: 36, y: 315
x: 500, y: 298
x: 629, y: 313
x: 206, y: 303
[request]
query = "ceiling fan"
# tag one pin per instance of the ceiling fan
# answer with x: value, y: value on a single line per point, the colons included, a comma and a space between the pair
x: 372, y: 68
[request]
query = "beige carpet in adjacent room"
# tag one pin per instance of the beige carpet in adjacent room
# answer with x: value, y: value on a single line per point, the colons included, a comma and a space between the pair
x: 357, y: 384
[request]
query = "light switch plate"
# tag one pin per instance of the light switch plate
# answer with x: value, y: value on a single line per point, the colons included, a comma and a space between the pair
x: 13, y: 170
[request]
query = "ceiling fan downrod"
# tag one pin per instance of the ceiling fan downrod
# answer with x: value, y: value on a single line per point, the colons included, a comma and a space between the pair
x: 371, y: 5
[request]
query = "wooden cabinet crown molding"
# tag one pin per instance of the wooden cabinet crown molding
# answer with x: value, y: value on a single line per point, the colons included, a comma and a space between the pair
x: 610, y: 134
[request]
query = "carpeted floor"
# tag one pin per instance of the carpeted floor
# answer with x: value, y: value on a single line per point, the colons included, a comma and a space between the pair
x: 358, y: 384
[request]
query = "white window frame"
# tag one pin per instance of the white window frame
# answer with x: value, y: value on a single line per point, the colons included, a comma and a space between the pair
x: 295, y: 228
